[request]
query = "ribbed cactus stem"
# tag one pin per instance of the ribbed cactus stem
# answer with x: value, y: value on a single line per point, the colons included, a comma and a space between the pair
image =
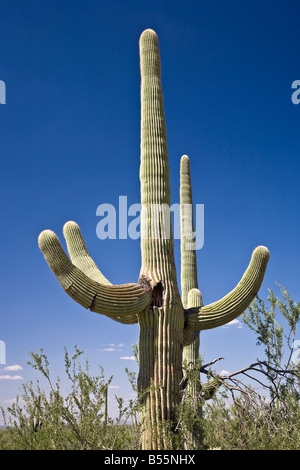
x: 161, y: 326
x: 191, y: 359
x: 157, y: 252
x: 189, y: 277
x: 191, y: 351
x: 190, y: 294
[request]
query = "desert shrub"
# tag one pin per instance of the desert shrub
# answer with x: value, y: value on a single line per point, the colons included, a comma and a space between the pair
x: 231, y: 412
x: 78, y: 420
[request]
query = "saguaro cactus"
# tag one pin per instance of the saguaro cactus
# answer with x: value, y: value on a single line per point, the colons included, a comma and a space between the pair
x: 166, y: 323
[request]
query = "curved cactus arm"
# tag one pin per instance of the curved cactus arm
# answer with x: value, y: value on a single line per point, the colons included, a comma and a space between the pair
x: 233, y: 304
x: 79, y: 254
x: 121, y: 303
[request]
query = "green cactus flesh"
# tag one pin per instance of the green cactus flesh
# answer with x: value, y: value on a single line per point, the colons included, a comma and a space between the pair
x: 167, y: 322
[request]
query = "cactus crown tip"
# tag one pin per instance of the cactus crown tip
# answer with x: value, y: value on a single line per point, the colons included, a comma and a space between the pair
x: 185, y: 160
x: 69, y: 225
x: 263, y: 250
x: 148, y: 34
x: 44, y: 237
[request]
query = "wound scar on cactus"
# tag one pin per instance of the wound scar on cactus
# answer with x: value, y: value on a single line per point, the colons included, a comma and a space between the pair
x: 158, y: 295
x: 93, y: 303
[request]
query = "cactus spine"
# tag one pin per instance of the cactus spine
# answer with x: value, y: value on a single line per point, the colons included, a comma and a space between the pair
x: 166, y: 321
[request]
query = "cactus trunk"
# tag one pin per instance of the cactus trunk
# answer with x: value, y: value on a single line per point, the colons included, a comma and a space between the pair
x: 160, y: 360
x: 161, y: 324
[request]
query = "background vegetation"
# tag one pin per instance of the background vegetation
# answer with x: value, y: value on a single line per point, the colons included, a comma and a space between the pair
x: 255, y: 408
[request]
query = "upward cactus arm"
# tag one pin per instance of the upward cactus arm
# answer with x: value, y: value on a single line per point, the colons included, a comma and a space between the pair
x: 121, y: 303
x: 234, y: 303
x: 79, y: 254
x: 189, y: 278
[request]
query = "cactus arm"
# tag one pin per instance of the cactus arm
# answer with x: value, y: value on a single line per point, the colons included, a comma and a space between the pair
x: 195, y: 298
x: 79, y: 254
x: 189, y: 278
x: 191, y: 337
x: 233, y: 304
x: 121, y: 303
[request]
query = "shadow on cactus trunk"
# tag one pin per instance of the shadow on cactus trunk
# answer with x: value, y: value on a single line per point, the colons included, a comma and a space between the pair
x: 169, y: 325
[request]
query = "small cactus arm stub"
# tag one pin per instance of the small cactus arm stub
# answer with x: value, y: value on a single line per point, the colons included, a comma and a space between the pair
x: 166, y: 321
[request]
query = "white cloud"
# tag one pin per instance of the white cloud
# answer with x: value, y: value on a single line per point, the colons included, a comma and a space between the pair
x: 11, y: 377
x: 14, y: 367
x: 128, y: 358
x: 113, y: 386
x: 233, y: 322
x: 224, y: 372
x: 112, y: 347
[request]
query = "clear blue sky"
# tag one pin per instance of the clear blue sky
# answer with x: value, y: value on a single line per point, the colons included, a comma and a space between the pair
x: 69, y: 136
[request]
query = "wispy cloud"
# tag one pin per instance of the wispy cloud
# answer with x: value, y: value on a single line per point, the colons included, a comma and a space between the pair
x: 128, y: 358
x: 11, y: 377
x: 235, y: 322
x: 13, y: 368
x: 113, y: 347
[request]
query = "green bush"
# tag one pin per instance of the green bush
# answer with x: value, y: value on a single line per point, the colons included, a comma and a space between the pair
x: 230, y: 413
x: 40, y: 421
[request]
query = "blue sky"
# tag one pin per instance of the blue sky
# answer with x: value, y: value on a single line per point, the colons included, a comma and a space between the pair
x: 70, y: 141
